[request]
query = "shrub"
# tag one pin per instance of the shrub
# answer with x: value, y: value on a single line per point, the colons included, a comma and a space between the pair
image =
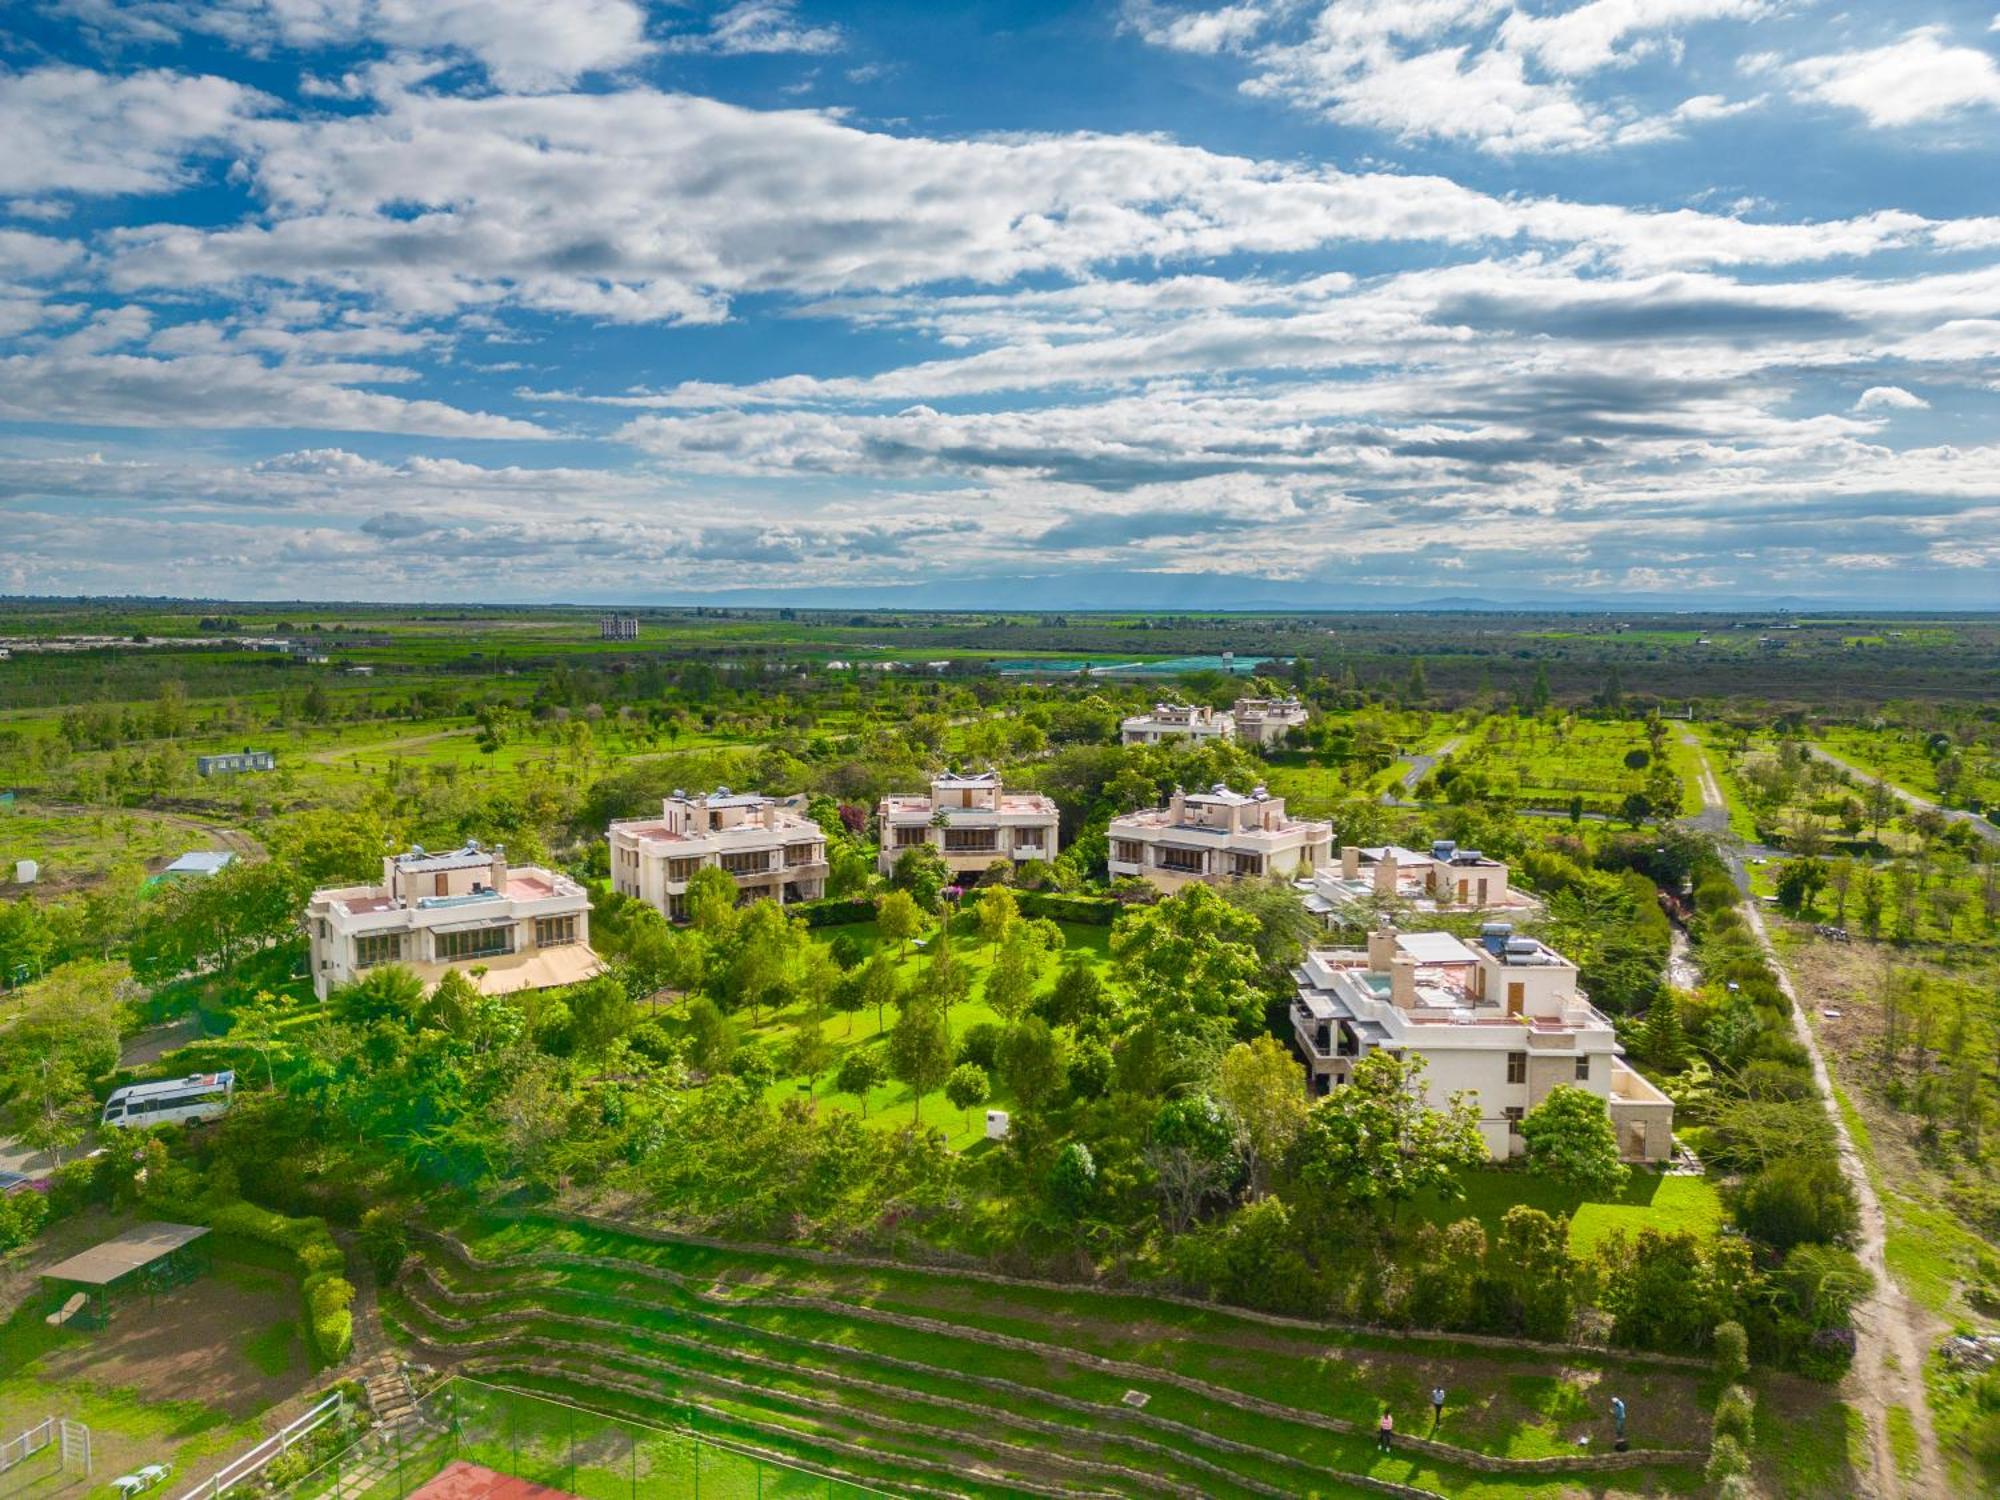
x: 385, y: 1235
x: 21, y: 1218
x: 318, y: 1261
x: 980, y: 1046
x: 1827, y: 1354
x: 1732, y: 1351
x: 835, y: 911
x: 1726, y: 1460
x: 1091, y: 911
x: 1735, y: 1415
x: 1798, y: 1201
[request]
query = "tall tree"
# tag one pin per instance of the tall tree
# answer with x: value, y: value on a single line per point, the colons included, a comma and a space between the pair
x: 920, y: 1050
x: 1570, y: 1139
x: 1376, y: 1143
x: 1259, y: 1086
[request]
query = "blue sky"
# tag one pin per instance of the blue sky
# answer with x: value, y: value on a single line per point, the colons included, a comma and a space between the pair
x: 1334, y: 304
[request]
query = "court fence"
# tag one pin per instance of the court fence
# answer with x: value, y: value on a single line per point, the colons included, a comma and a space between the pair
x: 548, y: 1442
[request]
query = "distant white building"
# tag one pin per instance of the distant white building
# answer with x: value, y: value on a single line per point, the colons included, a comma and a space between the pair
x: 235, y: 762
x: 526, y: 927
x: 1215, y: 837
x: 1503, y: 1021
x: 1266, y: 721
x: 1177, y: 721
x: 982, y: 822
x: 1448, y: 878
x: 618, y: 627
x: 767, y: 845
x: 202, y: 864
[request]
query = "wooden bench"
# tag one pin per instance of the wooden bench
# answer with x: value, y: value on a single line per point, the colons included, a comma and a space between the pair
x: 78, y: 1301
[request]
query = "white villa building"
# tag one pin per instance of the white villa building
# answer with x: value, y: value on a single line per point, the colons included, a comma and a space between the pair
x: 982, y: 822
x: 1176, y: 721
x: 1266, y: 721
x: 528, y: 928
x: 1446, y: 879
x: 766, y: 844
x: 1503, y: 1020
x: 1214, y: 837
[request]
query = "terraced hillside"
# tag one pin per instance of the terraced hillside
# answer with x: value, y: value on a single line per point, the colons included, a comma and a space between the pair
x: 950, y: 1383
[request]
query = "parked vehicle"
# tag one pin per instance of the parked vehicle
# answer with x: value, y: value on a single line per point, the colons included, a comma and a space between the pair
x: 172, y: 1101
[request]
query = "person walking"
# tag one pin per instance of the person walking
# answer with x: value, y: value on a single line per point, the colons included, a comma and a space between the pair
x: 1385, y: 1431
x: 1618, y: 1421
x: 1437, y: 1408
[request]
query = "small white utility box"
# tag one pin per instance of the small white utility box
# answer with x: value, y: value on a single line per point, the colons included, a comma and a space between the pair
x: 26, y: 872
x: 996, y: 1125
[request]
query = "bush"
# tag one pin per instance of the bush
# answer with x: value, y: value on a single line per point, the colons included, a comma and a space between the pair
x: 1732, y: 1351
x: 1091, y: 911
x: 1726, y: 1460
x: 835, y: 911
x: 1735, y: 1415
x: 318, y: 1261
x: 1798, y: 1202
x: 1827, y: 1354
x: 980, y: 1046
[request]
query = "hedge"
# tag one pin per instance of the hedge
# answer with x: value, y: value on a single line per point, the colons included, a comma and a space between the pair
x: 319, y: 1262
x: 834, y: 912
x: 1091, y: 911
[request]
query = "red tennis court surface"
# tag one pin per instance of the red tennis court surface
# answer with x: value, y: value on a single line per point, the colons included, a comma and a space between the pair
x: 463, y: 1481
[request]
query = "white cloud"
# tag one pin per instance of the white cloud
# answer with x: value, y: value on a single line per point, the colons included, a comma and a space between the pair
x: 1911, y: 81
x: 69, y: 130
x: 753, y: 26
x: 523, y: 44
x: 1890, y: 398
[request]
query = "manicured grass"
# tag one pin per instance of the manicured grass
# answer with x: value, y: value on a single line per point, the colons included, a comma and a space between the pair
x: 1650, y: 1201
x: 275, y: 1349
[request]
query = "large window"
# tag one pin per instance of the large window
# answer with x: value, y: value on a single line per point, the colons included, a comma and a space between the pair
x: 553, y: 932
x: 1128, y: 851
x: 1181, y: 861
x: 1246, y: 864
x: 481, y: 942
x: 757, y: 862
x: 372, y: 948
x: 908, y: 837
x: 803, y: 854
x: 971, y: 841
x: 682, y: 869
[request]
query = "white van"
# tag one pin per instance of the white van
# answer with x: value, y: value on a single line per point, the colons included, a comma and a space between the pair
x: 172, y: 1101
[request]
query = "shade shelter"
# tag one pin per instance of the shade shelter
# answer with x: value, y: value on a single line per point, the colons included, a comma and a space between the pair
x: 152, y: 1257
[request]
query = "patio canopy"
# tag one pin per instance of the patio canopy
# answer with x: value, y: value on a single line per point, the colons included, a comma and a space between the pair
x: 120, y: 1256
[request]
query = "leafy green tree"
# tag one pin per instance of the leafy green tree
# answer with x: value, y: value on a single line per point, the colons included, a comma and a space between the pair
x: 1799, y: 883
x: 711, y: 1039
x: 1192, y: 1151
x: 711, y: 901
x: 1073, y: 1181
x: 26, y: 940
x: 1079, y: 999
x: 600, y: 1014
x: 1798, y: 1201
x: 388, y: 993
x: 967, y: 1088
x: 1031, y: 1062
x: 1374, y: 1144
x: 898, y: 918
x: 999, y: 914
x: 1662, y: 1041
x: 52, y: 1104
x: 1534, y: 1273
x: 1259, y: 1086
x: 1571, y: 1140
x: 920, y: 1050
x: 861, y: 1071
x: 1017, y: 969
x: 881, y: 986
x: 921, y: 872
x: 807, y: 1051
x: 1191, y: 958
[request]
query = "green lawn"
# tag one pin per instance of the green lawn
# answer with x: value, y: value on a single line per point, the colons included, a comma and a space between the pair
x: 1650, y: 1200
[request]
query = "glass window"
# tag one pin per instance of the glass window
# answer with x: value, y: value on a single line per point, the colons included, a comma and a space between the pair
x: 1517, y: 1067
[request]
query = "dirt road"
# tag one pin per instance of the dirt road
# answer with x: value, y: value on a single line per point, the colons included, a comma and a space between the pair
x: 1895, y: 1335
x: 1978, y: 824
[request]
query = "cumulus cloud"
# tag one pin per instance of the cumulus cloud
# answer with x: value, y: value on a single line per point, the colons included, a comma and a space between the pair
x: 522, y: 44
x: 1917, y: 79
x: 71, y: 130
x: 1890, y: 398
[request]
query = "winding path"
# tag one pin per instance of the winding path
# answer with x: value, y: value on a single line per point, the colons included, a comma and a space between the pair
x: 1979, y: 825
x: 1895, y: 1334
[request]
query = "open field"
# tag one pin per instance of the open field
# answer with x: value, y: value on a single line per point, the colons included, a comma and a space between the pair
x: 1650, y: 1200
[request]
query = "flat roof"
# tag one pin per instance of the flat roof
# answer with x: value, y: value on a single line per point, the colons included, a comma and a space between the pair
x: 201, y: 862
x: 123, y: 1254
x: 1435, y: 948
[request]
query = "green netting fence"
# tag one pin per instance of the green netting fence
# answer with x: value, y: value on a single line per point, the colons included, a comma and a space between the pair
x: 564, y: 1447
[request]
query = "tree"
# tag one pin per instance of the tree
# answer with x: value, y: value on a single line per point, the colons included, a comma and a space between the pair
x: 921, y: 872
x: 388, y: 993
x: 1191, y: 1152
x: 1799, y: 883
x: 1531, y: 1267
x: 999, y: 913
x: 256, y: 1025
x: 1191, y: 958
x: 920, y: 1050
x: 1073, y: 1181
x: 711, y: 1040
x: 898, y: 919
x: 1079, y: 999
x: 967, y: 1088
x: 711, y: 902
x: 881, y: 986
x: 1259, y: 1086
x: 1017, y: 968
x: 1571, y: 1140
x: 1662, y: 1041
x: 807, y: 1052
x: 1031, y: 1062
x: 1797, y: 1201
x: 1538, y: 689
x: 861, y: 1071
x: 52, y: 1104
x: 1378, y: 1142
x: 1635, y: 809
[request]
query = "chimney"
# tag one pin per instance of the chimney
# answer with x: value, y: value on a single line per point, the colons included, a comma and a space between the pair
x: 1350, y: 862
x: 1385, y: 873
x: 496, y: 869
x: 1381, y: 947
x: 1403, y: 982
x: 1177, y: 808
x: 770, y: 815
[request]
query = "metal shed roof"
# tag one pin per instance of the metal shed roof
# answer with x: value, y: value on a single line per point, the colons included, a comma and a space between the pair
x: 137, y: 1247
